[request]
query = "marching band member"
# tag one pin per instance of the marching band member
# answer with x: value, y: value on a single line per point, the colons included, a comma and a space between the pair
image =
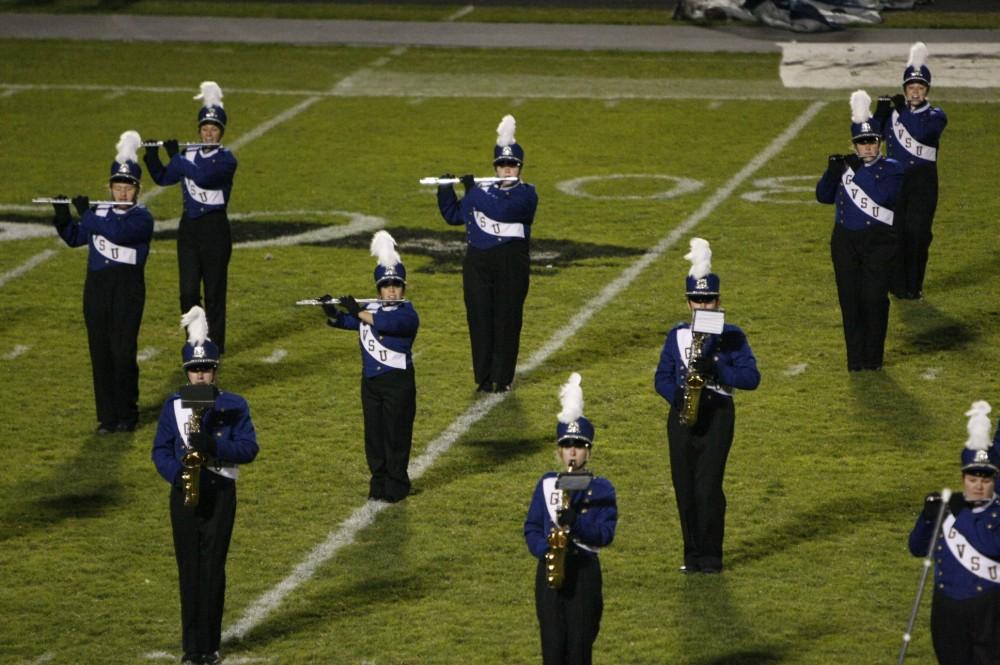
x: 700, y: 446
x: 204, y: 242
x: 965, y: 610
x: 114, y: 292
x: 386, y: 332
x: 224, y: 435
x: 496, y: 270
x: 912, y: 129
x: 569, y: 617
x: 865, y: 187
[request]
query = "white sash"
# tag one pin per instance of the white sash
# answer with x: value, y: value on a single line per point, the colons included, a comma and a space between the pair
x: 910, y: 144
x: 553, y: 501
x: 211, y: 197
x: 862, y: 201
x: 970, y: 558
x: 374, y: 348
x: 684, y: 346
x: 495, y: 228
x: 183, y: 418
x: 113, y: 252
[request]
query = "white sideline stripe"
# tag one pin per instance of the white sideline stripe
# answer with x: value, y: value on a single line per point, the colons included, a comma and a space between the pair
x: 147, y: 353
x: 35, y: 260
x: 383, y: 83
x: 464, y: 11
x: 344, y: 534
x: 44, y: 658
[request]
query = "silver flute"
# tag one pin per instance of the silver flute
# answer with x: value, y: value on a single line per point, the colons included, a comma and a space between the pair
x: 452, y: 181
x: 360, y: 301
x: 66, y: 202
x: 157, y: 144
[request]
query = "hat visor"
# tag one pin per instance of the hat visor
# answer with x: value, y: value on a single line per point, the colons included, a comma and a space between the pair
x: 131, y: 180
x: 987, y: 470
x: 573, y: 439
x: 507, y: 160
x: 198, y: 363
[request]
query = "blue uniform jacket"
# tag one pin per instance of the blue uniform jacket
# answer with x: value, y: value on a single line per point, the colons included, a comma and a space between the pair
x: 489, y: 203
x: 735, y: 364
x: 596, y: 517
x: 925, y: 124
x: 982, y: 530
x: 228, y: 421
x: 876, y: 184
x: 212, y: 170
x: 130, y: 228
x: 396, y: 327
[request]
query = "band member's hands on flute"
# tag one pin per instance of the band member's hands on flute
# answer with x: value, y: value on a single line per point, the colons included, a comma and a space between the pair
x: 350, y: 305
x: 82, y: 204
x: 62, y: 217
x: 170, y: 145
x: 468, y: 182
x: 329, y: 308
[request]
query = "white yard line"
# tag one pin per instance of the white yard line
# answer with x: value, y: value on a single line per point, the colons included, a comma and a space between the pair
x: 464, y: 11
x: 35, y: 260
x: 364, y: 516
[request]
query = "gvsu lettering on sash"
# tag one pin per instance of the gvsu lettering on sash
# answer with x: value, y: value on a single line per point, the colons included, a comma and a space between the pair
x: 381, y: 354
x: 113, y: 252
x: 212, y: 197
x: 968, y: 556
x: 863, y: 202
x: 910, y: 144
x: 497, y: 228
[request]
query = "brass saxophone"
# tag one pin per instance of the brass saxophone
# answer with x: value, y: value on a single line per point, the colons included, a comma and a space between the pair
x: 193, y: 460
x: 694, y: 382
x: 555, y: 556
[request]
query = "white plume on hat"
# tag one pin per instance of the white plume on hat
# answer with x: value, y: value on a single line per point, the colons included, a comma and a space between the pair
x: 979, y: 426
x: 505, y: 131
x: 128, y: 147
x: 571, y: 399
x: 700, y: 257
x: 196, y: 324
x: 211, y: 94
x: 918, y: 55
x: 384, y: 249
x: 861, y: 103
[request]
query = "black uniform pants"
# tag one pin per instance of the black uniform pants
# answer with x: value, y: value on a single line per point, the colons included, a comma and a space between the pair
x: 113, y: 300
x: 204, y: 246
x: 389, y: 403
x: 966, y: 632
x: 914, y: 216
x: 201, y: 543
x: 495, y: 282
x: 570, y: 618
x: 697, y: 466
x: 862, y: 264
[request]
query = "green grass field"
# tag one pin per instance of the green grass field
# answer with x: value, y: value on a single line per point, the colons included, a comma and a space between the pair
x: 827, y: 472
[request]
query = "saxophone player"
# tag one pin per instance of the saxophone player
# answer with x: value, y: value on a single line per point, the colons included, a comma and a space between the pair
x: 699, y: 442
x: 223, y: 435
x: 569, y: 617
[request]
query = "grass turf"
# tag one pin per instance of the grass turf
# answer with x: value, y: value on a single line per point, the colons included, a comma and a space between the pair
x: 826, y: 475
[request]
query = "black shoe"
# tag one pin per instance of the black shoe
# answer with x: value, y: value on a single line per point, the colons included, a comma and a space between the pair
x: 502, y: 388
x: 711, y: 570
x: 485, y: 387
x: 689, y: 570
x: 854, y: 368
x: 105, y: 428
x: 191, y: 659
x: 211, y: 658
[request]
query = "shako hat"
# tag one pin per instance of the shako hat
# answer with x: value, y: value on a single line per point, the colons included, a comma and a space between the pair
x: 701, y: 281
x: 507, y: 148
x: 211, y: 110
x: 199, y: 349
x: 126, y: 167
x: 979, y: 456
x: 389, y: 267
x: 571, y: 426
x: 916, y: 68
x: 861, y: 125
